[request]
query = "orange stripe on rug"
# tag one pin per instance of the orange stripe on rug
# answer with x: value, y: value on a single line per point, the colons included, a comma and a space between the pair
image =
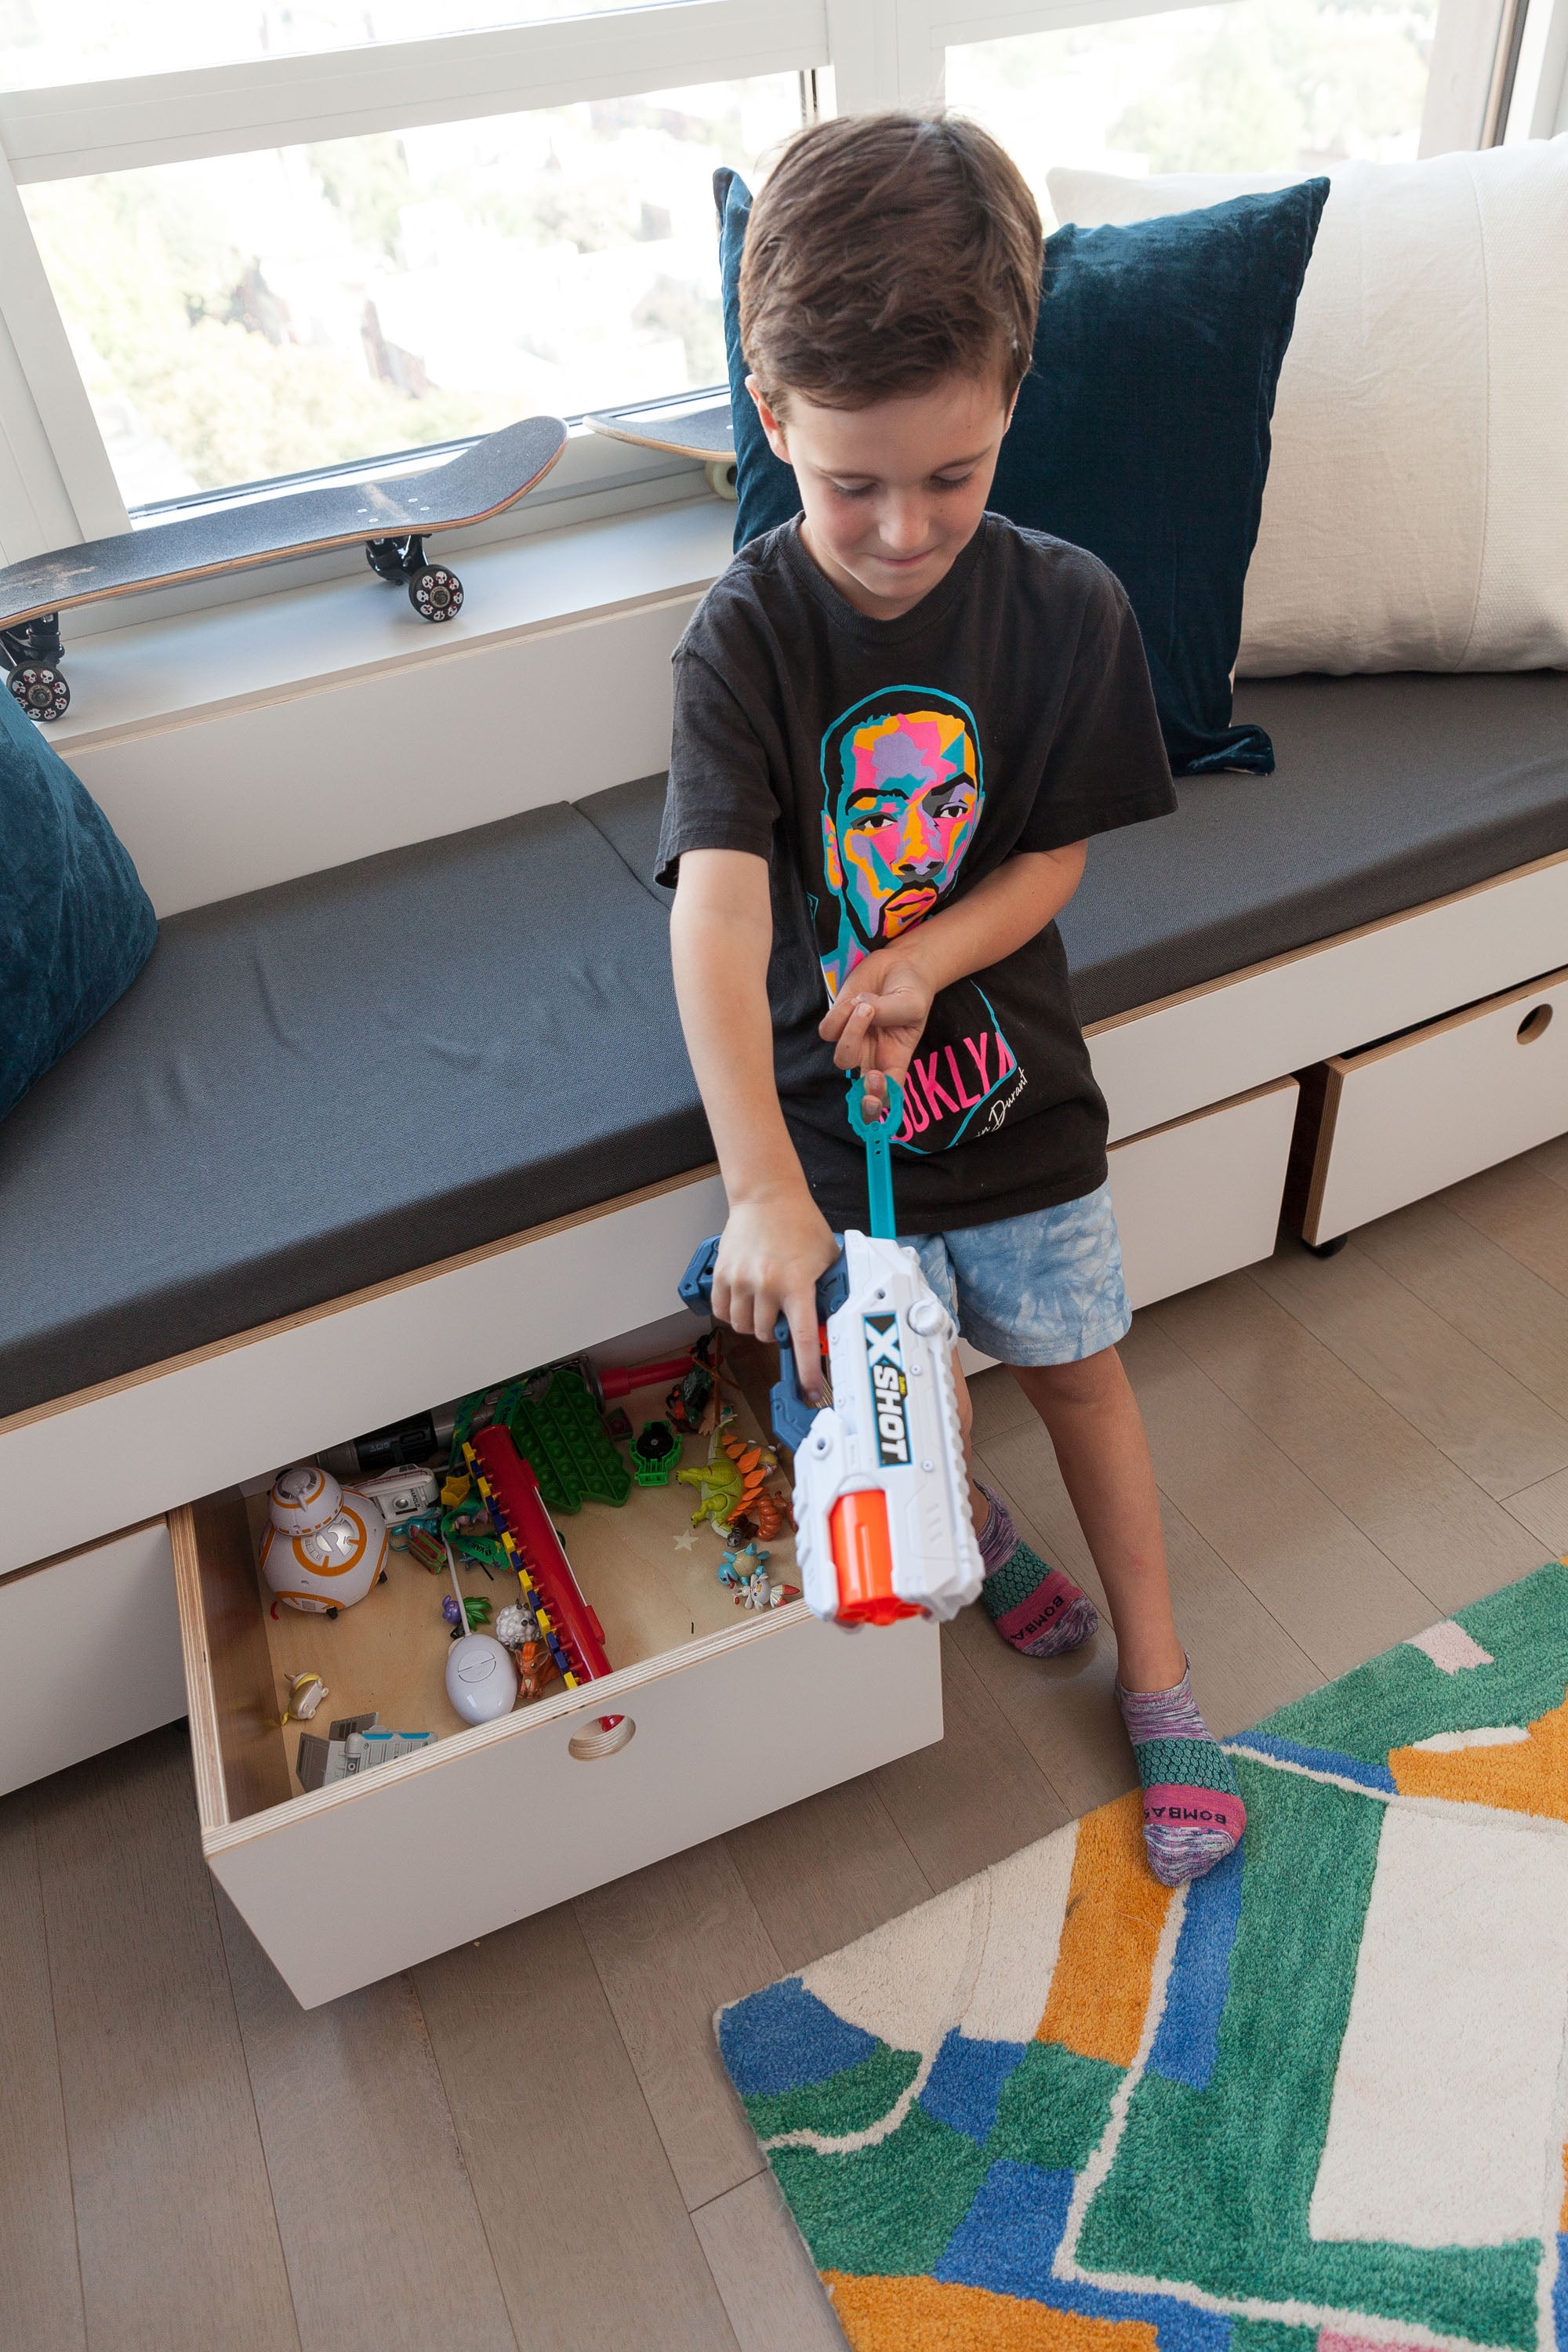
x: 1116, y: 1910
x: 1519, y: 1776
x: 925, y: 2314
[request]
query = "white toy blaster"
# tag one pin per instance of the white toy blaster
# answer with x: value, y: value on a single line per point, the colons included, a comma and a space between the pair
x: 883, y: 1527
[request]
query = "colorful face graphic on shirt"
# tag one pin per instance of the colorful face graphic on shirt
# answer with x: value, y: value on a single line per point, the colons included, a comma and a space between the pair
x: 902, y: 793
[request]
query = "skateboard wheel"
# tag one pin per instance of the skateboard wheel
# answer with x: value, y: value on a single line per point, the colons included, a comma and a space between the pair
x: 42, y: 692
x: 436, y: 594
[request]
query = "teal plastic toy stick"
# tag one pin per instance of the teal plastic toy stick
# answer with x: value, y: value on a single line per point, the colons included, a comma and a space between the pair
x: 876, y: 1134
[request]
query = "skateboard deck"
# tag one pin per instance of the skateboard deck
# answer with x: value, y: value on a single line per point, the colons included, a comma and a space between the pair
x: 696, y: 428
x: 391, y: 516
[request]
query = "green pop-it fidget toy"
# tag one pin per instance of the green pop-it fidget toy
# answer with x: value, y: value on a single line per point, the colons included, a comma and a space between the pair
x: 558, y: 1430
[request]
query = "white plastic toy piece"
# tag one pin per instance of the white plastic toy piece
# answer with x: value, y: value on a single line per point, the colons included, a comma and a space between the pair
x: 327, y: 1544
x: 402, y: 1494
x: 890, y: 1436
x: 481, y: 1676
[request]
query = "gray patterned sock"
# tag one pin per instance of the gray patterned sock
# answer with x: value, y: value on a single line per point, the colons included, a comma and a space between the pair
x: 1193, y: 1812
x: 1032, y: 1605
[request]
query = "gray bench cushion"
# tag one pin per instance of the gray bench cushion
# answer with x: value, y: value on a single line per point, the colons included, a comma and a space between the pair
x: 1389, y: 792
x: 315, y: 1086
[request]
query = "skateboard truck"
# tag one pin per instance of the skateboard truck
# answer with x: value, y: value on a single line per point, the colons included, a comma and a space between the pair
x: 34, y: 650
x: 434, y: 590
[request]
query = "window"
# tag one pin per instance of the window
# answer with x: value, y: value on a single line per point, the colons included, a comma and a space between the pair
x: 241, y: 239
x: 260, y: 314
x: 1248, y: 85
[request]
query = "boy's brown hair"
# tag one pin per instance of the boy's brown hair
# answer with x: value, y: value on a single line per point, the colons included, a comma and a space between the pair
x: 886, y: 251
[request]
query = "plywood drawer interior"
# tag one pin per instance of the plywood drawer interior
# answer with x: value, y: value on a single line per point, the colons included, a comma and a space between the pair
x: 727, y: 1713
x: 1403, y: 1118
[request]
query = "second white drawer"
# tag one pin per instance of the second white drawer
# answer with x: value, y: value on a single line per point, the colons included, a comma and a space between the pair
x: 1403, y: 1119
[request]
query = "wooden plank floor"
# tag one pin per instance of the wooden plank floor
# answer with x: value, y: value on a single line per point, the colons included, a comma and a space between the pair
x: 529, y: 2143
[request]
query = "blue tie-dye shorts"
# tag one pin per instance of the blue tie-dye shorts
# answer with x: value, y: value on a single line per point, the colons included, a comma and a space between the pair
x: 1045, y: 1288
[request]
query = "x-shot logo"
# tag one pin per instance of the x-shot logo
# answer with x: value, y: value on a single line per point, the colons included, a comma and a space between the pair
x: 890, y: 1390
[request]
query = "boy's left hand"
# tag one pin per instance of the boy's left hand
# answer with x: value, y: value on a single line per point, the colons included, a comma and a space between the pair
x: 876, y: 1020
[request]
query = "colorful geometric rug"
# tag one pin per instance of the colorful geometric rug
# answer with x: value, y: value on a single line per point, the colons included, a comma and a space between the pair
x: 1316, y: 2102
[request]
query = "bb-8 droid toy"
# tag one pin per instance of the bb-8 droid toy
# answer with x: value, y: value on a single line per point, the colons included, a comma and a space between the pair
x: 326, y: 1546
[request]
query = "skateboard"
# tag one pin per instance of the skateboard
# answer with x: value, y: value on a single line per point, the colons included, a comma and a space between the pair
x: 691, y: 426
x: 392, y: 516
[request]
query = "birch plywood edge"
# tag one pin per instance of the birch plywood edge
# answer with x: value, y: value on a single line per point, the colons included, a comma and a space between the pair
x: 206, y: 1754
x: 86, y: 1464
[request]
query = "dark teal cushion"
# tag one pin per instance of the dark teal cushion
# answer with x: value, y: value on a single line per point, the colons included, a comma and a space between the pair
x: 76, y: 926
x: 1142, y: 430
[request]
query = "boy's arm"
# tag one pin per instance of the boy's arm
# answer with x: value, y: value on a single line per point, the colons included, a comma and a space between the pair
x: 876, y: 1021
x: 776, y: 1241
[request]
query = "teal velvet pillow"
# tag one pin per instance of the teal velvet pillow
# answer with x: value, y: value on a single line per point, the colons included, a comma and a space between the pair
x: 76, y: 926
x: 1142, y: 430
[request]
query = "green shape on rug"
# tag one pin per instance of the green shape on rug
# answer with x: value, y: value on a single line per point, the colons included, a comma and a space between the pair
x: 1272, y: 2335
x: 1054, y: 2109
x: 1401, y: 1696
x: 851, y: 2101
x: 888, y: 2209
x: 1247, y: 2147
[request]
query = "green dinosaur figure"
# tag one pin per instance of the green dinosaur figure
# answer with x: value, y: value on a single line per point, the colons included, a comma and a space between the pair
x: 720, y: 1483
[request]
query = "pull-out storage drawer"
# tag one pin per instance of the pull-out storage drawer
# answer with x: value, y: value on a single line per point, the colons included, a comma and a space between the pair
x: 1404, y: 1119
x: 89, y: 1653
x: 726, y: 1714
x: 1200, y: 1197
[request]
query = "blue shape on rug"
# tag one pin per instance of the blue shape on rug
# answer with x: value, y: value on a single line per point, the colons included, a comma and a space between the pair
x: 1560, y: 2294
x: 1007, y: 2241
x: 1188, y: 2039
x: 784, y: 2039
x: 1317, y: 1759
x: 966, y: 2083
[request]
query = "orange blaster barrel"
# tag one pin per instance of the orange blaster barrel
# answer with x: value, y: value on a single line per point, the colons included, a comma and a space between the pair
x: 511, y: 1494
x: 863, y: 1561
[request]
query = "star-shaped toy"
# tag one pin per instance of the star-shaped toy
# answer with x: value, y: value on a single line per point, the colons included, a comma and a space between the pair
x: 686, y: 1540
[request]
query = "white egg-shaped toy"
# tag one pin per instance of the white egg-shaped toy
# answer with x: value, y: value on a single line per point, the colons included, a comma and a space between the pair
x: 330, y: 1567
x: 304, y: 1499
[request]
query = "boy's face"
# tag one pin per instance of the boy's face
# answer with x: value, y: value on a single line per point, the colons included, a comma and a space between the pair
x: 893, y: 493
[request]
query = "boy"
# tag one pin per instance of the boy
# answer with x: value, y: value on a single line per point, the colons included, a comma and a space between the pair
x: 898, y: 722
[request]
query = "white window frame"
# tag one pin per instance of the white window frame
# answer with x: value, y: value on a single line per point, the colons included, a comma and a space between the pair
x: 57, y: 484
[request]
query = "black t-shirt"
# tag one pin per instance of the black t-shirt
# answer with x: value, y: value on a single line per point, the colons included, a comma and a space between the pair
x: 883, y: 768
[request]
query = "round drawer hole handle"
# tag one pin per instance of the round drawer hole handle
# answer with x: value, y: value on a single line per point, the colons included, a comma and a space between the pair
x: 606, y: 1735
x: 1535, y: 1024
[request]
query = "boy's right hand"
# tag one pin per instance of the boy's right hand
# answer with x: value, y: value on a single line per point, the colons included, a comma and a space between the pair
x: 770, y: 1253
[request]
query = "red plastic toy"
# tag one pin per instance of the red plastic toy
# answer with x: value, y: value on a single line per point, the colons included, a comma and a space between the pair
x: 516, y: 1508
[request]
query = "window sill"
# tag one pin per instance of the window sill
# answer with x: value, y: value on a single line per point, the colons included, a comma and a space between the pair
x: 288, y: 732
x: 280, y: 643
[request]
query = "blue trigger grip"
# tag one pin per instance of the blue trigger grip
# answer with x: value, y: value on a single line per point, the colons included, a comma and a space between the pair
x: 697, y: 1282
x: 792, y: 1410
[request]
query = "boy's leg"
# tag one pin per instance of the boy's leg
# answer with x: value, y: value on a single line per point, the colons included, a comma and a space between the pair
x: 1035, y: 1607
x: 1094, y: 1424
x: 1193, y: 1812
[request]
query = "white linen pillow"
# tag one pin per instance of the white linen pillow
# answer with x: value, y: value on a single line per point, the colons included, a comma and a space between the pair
x: 1416, y: 515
